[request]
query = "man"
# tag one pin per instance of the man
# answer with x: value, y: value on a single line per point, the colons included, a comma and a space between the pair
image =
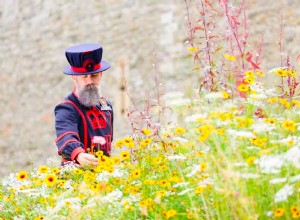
x: 84, y: 120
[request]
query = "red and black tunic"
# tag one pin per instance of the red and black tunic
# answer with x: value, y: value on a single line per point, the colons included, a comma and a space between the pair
x: 76, y: 125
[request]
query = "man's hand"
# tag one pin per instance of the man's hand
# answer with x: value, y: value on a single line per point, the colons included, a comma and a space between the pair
x: 87, y: 160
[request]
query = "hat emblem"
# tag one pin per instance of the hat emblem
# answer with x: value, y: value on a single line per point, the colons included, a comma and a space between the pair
x: 89, y: 65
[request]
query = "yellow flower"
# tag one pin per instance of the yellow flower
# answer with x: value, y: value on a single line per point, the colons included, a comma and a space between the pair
x: 163, y: 167
x: 38, y: 182
x: 285, y: 103
x: 203, y: 137
x: 146, y: 132
x: 270, y: 120
x: 146, y: 142
x: 273, y: 100
x: 50, y: 180
x: 117, y: 181
x: 128, y: 139
x: 43, y: 169
x: 115, y: 159
x: 22, y: 175
x: 225, y: 95
x: 39, y: 218
x: 118, y: 144
x: 243, y: 88
x: 279, y: 212
x: 289, y: 125
x: 164, y: 183
x: 200, y: 189
x: 190, y: 216
x: 55, y: 170
x: 229, y: 57
x: 99, y: 153
x: 136, y: 174
x: 129, y: 144
x: 161, y: 193
x: 249, y: 80
x: 296, y: 214
x: 281, y: 72
x: 203, y: 166
x: 225, y: 116
x: 250, y: 160
x: 61, y: 183
x: 296, y: 103
x: 193, y: 49
x: 294, y: 209
x: 170, y: 213
x: 249, y: 74
x: 260, y: 73
x: 89, y: 177
x: 124, y: 155
x: 244, y: 122
x: 179, y: 130
x: 77, y: 171
x: 291, y: 72
x: 259, y: 142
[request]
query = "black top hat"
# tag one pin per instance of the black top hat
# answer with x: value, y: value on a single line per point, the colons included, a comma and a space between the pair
x: 85, y: 59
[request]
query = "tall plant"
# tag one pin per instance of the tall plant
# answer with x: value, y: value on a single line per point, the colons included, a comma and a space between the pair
x: 218, y: 40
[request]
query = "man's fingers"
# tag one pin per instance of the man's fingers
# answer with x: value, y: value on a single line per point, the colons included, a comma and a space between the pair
x: 86, y: 160
x: 91, y: 158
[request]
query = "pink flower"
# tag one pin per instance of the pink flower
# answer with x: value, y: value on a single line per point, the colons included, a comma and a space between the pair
x: 99, y: 140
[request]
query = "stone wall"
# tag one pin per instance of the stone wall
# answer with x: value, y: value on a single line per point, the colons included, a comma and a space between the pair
x: 140, y: 39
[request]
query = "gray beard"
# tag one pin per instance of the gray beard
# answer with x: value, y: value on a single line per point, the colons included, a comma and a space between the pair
x: 89, y: 96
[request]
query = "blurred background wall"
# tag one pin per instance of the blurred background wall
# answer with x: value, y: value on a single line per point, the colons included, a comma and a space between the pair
x: 140, y: 38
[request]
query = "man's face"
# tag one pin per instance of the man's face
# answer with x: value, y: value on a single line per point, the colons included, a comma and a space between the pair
x: 87, y: 88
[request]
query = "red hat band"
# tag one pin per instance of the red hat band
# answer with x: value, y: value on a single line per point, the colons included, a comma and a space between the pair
x: 86, y: 68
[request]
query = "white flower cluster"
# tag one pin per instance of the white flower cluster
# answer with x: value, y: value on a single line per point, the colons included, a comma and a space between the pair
x: 293, y: 156
x: 113, y: 196
x: 104, y: 176
x: 193, y: 118
x: 261, y: 126
x: 237, y: 133
x: 284, y: 193
x: 270, y: 163
x: 176, y: 157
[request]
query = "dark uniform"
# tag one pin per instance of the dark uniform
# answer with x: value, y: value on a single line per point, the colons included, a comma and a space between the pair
x: 76, y: 125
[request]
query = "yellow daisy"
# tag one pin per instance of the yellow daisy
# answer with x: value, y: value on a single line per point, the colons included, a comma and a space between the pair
x: 50, y: 180
x: 279, y: 212
x: 146, y: 132
x: 22, y: 175
x: 229, y: 57
x: 124, y: 155
x: 243, y: 88
x: 43, y: 169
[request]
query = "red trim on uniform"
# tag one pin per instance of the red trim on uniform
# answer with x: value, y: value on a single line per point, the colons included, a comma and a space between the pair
x: 83, y: 70
x: 63, y: 134
x: 75, y: 152
x: 85, y: 135
x: 67, y: 142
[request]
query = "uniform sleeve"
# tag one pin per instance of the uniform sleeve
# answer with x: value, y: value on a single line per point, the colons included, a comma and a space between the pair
x: 112, y: 120
x: 66, y: 126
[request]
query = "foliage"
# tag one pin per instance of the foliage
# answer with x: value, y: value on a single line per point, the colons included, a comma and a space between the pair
x: 228, y: 159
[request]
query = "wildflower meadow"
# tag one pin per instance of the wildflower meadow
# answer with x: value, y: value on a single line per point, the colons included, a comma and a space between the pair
x: 231, y: 150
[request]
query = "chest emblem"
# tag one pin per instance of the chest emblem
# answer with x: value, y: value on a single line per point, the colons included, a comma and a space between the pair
x: 97, y: 119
